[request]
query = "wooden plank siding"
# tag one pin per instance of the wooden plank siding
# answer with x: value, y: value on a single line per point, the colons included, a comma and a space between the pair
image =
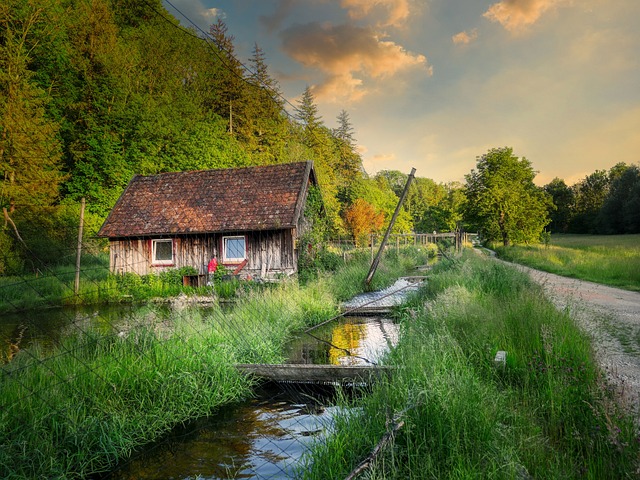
x: 269, y: 253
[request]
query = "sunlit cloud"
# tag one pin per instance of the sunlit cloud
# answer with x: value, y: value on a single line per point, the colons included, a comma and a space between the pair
x: 349, y: 56
x: 516, y: 15
x: 465, y: 38
x: 396, y: 11
x: 337, y: 88
x: 362, y: 149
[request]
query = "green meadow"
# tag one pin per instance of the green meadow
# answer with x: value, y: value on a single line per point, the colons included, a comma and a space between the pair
x: 608, y: 259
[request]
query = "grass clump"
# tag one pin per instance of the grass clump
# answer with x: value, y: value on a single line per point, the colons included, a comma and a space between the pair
x: 547, y: 413
x: 609, y: 259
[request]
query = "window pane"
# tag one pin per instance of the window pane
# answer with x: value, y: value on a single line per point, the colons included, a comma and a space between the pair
x: 163, y: 250
x: 234, y: 248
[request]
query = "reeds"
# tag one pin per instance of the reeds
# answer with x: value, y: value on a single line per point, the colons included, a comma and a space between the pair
x: 98, y: 397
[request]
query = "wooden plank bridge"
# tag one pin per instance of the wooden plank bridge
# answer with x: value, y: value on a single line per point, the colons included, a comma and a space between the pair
x: 321, y: 374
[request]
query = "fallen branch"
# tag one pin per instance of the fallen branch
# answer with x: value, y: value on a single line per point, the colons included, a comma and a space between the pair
x: 7, y: 219
x: 386, y: 438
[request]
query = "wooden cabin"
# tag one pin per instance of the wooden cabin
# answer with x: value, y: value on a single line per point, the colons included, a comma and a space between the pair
x: 248, y: 219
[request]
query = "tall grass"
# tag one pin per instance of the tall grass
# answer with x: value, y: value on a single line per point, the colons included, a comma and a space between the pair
x: 545, y: 414
x: 79, y: 409
x: 608, y: 259
x: 100, y: 396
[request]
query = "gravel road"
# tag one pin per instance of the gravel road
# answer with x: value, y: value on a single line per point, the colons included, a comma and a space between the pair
x: 611, y: 316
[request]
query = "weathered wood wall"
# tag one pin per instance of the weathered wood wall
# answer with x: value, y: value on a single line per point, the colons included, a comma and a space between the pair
x: 269, y: 253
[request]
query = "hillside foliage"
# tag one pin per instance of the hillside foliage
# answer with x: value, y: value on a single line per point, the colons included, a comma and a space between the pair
x: 93, y: 92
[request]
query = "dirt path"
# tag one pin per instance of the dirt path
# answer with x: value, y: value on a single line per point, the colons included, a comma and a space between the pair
x: 612, y: 317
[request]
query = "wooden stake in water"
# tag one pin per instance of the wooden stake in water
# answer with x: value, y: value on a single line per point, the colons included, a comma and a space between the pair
x: 376, y: 260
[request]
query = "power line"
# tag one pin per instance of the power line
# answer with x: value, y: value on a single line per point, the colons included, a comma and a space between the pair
x: 208, y: 40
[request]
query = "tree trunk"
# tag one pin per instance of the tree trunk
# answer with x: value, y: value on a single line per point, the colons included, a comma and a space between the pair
x: 503, y: 230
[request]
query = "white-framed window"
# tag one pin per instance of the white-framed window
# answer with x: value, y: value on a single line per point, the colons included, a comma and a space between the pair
x: 234, y: 249
x: 162, y: 251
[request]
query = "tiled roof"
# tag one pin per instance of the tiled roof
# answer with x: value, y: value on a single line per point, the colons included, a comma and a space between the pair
x: 234, y: 199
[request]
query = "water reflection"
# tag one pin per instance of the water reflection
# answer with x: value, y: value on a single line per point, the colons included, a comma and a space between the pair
x: 46, y: 328
x: 261, y: 438
x: 258, y: 439
x: 362, y: 337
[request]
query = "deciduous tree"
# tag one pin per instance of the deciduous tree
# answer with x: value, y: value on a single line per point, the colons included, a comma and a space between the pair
x: 589, y: 196
x: 363, y: 219
x: 563, y: 198
x: 502, y: 201
x: 620, y: 212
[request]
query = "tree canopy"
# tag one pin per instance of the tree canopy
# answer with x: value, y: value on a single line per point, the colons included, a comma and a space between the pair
x: 603, y: 202
x: 502, y: 202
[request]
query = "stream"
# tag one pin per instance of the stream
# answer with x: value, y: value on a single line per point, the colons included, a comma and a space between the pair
x: 267, y: 436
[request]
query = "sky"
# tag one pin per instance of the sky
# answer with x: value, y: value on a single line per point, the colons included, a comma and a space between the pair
x: 435, y: 84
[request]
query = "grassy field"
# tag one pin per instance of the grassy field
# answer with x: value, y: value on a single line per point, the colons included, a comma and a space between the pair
x: 545, y: 414
x: 608, y: 259
x: 77, y: 410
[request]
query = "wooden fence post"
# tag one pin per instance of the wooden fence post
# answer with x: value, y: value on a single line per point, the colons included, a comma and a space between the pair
x: 76, y: 286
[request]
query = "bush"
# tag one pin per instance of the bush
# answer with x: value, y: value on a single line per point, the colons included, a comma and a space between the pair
x: 314, y: 259
x: 173, y: 276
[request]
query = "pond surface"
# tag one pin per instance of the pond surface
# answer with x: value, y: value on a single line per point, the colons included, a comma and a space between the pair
x: 345, y: 341
x: 21, y: 330
x: 261, y: 438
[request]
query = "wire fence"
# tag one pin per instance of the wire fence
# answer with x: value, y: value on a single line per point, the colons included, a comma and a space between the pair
x: 134, y: 377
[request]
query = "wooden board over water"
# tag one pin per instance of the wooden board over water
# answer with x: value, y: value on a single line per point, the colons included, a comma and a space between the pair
x: 308, y: 373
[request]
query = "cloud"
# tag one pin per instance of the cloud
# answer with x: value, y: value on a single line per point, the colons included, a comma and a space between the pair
x: 515, y: 15
x: 397, y: 11
x: 348, y: 55
x: 214, y: 13
x: 465, y: 38
x: 381, y: 161
x: 272, y: 22
x: 194, y: 10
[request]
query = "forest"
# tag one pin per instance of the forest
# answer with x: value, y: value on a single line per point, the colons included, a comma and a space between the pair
x: 93, y: 92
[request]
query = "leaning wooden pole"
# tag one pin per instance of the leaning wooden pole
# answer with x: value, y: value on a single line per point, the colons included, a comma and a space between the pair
x: 76, y: 288
x: 376, y: 261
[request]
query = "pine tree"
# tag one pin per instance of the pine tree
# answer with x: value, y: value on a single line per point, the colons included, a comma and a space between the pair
x: 307, y: 112
x: 349, y: 161
x: 230, y: 83
x: 266, y: 120
x: 345, y: 131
